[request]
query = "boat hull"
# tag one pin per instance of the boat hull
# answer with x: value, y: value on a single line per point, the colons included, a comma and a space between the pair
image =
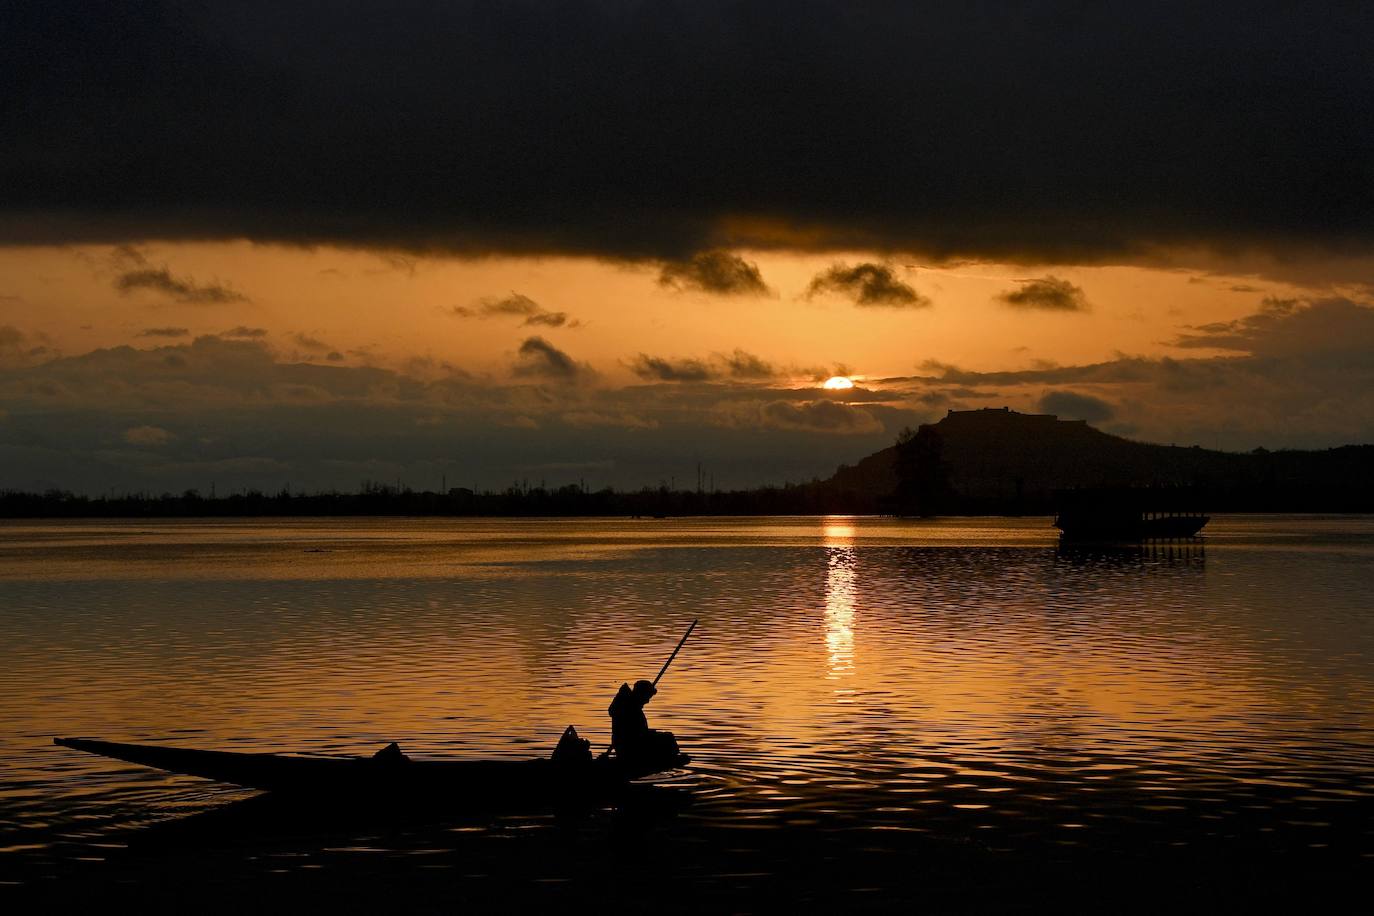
x: 368, y: 777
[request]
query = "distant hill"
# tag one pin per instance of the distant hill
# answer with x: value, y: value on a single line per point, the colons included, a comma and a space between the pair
x: 999, y: 461
x: 973, y: 462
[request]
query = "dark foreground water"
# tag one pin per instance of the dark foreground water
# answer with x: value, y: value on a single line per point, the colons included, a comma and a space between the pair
x: 948, y: 716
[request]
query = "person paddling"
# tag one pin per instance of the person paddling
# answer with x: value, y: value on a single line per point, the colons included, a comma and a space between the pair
x: 634, y: 741
x: 629, y: 725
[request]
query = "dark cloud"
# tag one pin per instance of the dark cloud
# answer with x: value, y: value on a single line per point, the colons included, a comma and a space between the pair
x: 868, y: 285
x: 236, y: 411
x: 743, y: 365
x: 740, y: 365
x: 306, y: 342
x: 164, y: 332
x: 182, y: 289
x: 1074, y: 406
x: 665, y: 370
x: 552, y: 320
x: 134, y: 272
x: 813, y: 416
x: 541, y: 359
x: 1296, y: 374
x: 1053, y: 131
x: 720, y: 273
x: 1049, y: 293
x: 10, y: 336
x: 1330, y: 329
x: 519, y: 306
x: 244, y: 333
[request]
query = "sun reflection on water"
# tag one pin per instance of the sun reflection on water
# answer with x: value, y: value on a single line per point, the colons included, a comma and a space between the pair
x: 839, y: 599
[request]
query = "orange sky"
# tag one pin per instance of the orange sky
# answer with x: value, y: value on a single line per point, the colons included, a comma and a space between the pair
x: 135, y: 365
x: 383, y: 310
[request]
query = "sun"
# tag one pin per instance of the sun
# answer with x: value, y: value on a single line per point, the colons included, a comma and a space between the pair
x: 836, y: 382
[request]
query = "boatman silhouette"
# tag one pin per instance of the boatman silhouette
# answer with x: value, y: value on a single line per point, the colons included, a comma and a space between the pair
x: 634, y: 741
x: 639, y: 749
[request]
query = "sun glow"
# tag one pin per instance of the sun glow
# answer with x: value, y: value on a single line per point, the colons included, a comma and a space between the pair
x: 836, y: 382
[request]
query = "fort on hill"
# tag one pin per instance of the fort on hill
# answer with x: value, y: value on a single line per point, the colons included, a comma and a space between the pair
x: 999, y: 461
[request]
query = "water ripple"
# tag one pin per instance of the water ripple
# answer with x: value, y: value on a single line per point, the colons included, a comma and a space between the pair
x: 853, y: 677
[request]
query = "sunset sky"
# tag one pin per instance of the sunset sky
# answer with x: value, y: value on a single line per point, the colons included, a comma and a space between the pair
x: 261, y: 244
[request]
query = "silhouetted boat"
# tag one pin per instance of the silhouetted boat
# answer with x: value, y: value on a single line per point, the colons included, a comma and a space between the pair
x: 1128, y: 513
x: 381, y: 777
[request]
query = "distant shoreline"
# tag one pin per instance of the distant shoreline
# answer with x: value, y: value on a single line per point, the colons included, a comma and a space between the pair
x: 222, y: 509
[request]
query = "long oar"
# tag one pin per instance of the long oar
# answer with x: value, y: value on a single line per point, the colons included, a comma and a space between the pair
x: 675, y: 652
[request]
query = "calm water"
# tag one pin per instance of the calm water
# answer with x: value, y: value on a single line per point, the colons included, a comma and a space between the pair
x: 868, y: 684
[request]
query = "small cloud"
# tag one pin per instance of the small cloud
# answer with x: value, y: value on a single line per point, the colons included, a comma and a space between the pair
x: 147, y: 435
x: 539, y: 358
x: 720, y: 273
x: 1047, y: 293
x: 517, y: 305
x: 1075, y: 406
x: 514, y: 304
x: 552, y: 320
x: 163, y: 332
x: 869, y: 285
x: 618, y: 419
x: 818, y: 416
x: 335, y: 356
x: 742, y: 364
x: 182, y: 289
x: 243, y: 333
x: 821, y: 373
x: 306, y: 342
x: 666, y: 370
x: 737, y: 365
x: 10, y: 336
x: 393, y: 261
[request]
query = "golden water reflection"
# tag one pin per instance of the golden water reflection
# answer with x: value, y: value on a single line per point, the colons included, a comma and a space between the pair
x: 839, y: 598
x: 1001, y: 681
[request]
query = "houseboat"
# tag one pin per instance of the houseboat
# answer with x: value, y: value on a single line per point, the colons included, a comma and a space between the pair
x: 1128, y: 513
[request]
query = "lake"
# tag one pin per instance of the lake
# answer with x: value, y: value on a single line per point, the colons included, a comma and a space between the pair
x: 878, y: 710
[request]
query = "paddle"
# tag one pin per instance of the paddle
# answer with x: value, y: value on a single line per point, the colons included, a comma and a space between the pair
x: 680, y: 643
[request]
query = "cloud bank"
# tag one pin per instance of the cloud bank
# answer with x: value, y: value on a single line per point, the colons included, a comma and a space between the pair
x: 1053, y: 132
x: 244, y: 414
